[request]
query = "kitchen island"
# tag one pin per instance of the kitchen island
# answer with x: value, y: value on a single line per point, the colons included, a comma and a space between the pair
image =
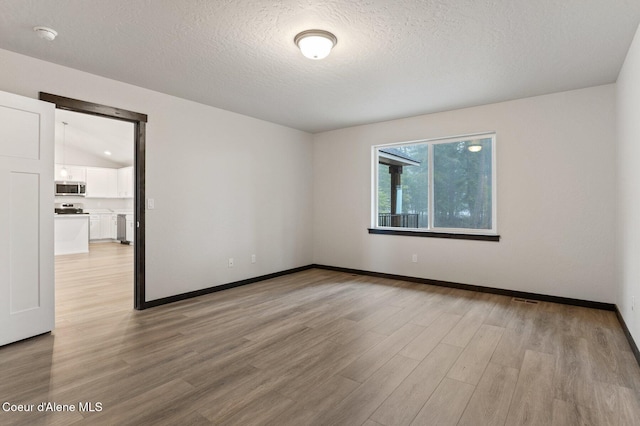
x: 71, y: 233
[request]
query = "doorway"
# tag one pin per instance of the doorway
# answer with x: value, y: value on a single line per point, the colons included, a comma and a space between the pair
x: 139, y: 121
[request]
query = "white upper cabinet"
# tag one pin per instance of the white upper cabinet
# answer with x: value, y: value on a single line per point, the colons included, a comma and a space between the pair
x: 74, y: 173
x: 102, y: 182
x: 125, y: 182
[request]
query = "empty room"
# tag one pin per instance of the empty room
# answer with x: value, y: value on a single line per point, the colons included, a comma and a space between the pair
x: 319, y: 213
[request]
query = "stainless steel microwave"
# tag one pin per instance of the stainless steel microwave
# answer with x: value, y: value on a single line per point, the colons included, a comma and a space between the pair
x: 78, y: 189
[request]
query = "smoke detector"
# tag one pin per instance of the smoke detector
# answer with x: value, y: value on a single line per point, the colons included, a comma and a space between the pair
x: 46, y: 33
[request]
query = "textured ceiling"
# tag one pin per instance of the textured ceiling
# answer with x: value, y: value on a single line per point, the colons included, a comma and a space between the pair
x: 393, y: 58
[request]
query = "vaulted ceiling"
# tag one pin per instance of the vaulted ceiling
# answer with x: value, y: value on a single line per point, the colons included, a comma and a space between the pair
x: 393, y: 58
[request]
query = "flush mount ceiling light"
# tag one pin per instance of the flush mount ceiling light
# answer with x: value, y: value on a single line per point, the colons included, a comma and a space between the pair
x: 107, y: 153
x: 475, y: 147
x: 315, y: 44
x: 46, y: 33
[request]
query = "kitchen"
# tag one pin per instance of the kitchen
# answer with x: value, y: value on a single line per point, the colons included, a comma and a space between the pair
x: 94, y: 182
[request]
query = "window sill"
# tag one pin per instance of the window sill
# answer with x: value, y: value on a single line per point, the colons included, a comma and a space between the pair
x: 430, y: 234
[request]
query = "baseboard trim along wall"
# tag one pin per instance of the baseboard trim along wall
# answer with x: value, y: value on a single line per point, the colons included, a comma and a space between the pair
x: 440, y: 283
x: 481, y: 289
x: 201, y: 292
x: 632, y: 343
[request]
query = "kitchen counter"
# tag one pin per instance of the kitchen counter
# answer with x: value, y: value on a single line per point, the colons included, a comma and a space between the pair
x: 98, y: 211
x: 71, y: 232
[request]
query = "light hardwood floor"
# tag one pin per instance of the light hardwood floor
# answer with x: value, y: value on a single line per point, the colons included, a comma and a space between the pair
x: 317, y: 348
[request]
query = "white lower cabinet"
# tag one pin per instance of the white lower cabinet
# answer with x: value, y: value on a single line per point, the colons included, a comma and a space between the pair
x: 105, y: 225
x: 95, y: 230
x: 102, y: 226
x: 114, y: 226
x: 130, y: 229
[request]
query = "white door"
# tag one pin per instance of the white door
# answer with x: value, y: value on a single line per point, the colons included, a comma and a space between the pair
x: 26, y: 217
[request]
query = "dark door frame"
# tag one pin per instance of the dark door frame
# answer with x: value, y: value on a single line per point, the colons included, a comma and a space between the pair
x: 139, y: 121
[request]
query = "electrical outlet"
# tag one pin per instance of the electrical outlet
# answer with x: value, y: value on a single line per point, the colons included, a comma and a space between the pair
x: 253, y: 258
x: 151, y: 204
x: 231, y: 262
x: 414, y: 258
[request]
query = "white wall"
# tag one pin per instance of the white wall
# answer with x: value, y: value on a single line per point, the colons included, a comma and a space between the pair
x: 556, y: 190
x: 556, y: 198
x: 628, y: 125
x: 225, y: 185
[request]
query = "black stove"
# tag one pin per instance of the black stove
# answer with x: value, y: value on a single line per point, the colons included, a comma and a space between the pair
x: 69, y: 208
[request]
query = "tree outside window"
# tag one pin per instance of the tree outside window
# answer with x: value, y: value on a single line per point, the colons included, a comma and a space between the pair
x: 445, y: 184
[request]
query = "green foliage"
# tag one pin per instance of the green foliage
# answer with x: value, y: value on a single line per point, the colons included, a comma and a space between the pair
x: 384, y: 189
x: 462, y: 185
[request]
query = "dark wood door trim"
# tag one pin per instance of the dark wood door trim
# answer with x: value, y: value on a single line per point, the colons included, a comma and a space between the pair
x: 92, y: 108
x: 139, y: 121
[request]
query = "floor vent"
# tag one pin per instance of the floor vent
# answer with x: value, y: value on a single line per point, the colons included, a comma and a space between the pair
x: 527, y: 301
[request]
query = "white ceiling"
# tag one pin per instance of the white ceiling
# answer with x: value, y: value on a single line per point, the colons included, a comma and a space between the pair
x: 393, y: 58
x: 94, y: 135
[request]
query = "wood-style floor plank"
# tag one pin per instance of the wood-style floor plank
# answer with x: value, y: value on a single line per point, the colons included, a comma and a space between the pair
x: 356, y: 408
x: 407, y: 399
x: 566, y: 414
x: 445, y: 405
x: 532, y: 401
x: 430, y: 337
x: 316, y: 348
x: 474, y: 358
x: 363, y: 367
x: 489, y: 404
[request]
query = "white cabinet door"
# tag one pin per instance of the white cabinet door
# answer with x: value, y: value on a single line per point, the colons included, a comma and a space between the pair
x: 74, y: 173
x: 111, y: 176
x: 130, y: 233
x: 26, y: 220
x: 96, y: 183
x: 102, y: 182
x: 105, y: 225
x: 114, y: 226
x: 125, y: 182
x: 95, y: 229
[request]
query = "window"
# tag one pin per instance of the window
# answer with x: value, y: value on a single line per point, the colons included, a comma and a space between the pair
x: 444, y: 186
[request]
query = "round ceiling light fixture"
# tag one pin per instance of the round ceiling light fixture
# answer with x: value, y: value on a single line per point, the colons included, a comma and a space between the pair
x: 476, y: 147
x: 46, y: 33
x: 315, y: 44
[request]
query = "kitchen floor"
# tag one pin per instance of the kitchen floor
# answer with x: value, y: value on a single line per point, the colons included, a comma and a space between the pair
x: 92, y: 284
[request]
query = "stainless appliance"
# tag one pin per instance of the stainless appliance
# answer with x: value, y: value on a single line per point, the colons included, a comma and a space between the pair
x: 78, y: 189
x: 121, y: 234
x: 69, y: 208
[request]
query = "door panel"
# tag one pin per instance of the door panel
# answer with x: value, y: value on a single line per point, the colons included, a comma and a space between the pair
x: 26, y: 219
x: 19, y: 135
x: 24, y: 266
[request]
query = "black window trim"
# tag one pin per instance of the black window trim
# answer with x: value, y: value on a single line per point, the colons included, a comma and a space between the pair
x: 432, y: 234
